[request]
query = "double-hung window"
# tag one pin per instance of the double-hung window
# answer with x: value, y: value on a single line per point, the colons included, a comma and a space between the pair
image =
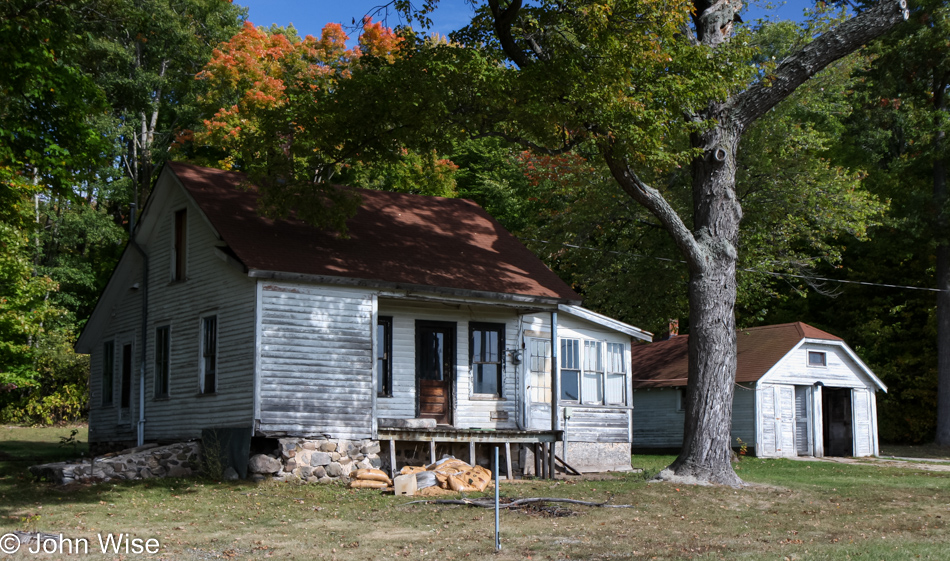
x: 615, y: 393
x: 593, y: 389
x: 570, y: 369
x: 487, y: 350
x: 108, y: 372
x: 162, y: 360
x: 209, y: 355
x: 593, y: 372
x: 384, y: 353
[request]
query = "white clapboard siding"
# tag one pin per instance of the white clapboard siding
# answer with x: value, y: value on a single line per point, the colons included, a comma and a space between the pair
x: 212, y: 287
x: 598, y: 425
x: 124, y: 326
x: 840, y: 371
x: 468, y: 411
x: 316, y: 361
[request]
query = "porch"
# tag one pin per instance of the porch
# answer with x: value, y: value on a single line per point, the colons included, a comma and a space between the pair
x: 540, y: 441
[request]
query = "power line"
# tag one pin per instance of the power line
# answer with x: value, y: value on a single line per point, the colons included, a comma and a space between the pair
x: 769, y: 273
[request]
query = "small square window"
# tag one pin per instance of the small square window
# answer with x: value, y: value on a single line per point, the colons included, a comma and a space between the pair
x: 817, y: 358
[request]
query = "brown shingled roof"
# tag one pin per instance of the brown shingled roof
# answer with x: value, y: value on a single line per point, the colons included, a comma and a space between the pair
x: 394, y: 238
x: 665, y: 363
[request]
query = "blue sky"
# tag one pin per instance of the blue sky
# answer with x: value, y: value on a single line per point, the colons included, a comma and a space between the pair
x: 309, y: 16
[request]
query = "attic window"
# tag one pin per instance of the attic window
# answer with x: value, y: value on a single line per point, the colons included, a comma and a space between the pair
x: 817, y: 358
x: 178, y: 265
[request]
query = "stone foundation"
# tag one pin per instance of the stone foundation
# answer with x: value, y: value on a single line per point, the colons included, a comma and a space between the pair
x: 145, y: 462
x: 315, y: 460
x: 586, y: 457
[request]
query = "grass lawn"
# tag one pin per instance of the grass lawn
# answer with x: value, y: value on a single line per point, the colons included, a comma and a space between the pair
x: 793, y: 510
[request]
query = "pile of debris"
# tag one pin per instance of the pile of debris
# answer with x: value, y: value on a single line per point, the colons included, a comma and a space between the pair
x: 449, y: 473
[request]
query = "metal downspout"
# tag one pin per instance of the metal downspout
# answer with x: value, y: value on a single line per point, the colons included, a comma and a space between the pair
x: 141, y: 424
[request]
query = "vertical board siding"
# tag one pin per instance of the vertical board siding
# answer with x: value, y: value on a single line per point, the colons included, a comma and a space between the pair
x: 212, y: 287
x: 861, y: 407
x: 468, y: 411
x: 316, y: 361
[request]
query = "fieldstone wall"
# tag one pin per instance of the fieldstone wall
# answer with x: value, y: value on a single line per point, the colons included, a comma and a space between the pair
x: 181, y: 459
x: 315, y: 460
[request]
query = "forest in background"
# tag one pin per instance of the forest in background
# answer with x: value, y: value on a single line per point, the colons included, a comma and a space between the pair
x: 837, y: 182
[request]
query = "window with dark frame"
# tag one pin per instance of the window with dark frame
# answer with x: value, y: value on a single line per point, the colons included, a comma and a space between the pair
x: 108, y: 372
x: 487, y: 356
x: 384, y: 353
x: 125, y: 395
x: 162, y: 360
x: 180, y: 244
x: 817, y: 358
x: 209, y: 354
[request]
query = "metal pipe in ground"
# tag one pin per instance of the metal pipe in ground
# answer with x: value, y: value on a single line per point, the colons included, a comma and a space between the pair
x: 497, y: 507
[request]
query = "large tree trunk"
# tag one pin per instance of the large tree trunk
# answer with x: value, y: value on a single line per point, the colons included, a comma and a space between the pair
x: 707, y: 447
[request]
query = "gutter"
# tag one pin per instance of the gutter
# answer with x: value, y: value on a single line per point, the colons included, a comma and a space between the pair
x: 141, y: 424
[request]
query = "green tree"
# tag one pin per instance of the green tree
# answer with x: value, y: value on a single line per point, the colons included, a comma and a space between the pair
x: 649, y: 87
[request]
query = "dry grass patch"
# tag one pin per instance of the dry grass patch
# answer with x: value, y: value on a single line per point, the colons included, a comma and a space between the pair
x: 795, y: 510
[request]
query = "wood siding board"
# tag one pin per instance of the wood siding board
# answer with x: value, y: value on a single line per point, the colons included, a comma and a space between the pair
x: 317, y: 360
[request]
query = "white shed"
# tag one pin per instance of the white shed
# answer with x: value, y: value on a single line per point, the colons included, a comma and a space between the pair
x: 800, y: 391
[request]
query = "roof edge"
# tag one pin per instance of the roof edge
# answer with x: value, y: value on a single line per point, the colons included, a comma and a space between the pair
x: 375, y: 283
x: 600, y: 319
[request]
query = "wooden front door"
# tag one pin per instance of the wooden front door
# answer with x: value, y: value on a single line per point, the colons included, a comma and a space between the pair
x: 435, y: 370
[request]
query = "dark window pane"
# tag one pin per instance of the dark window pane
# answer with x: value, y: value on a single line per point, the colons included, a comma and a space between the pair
x: 432, y: 360
x: 126, y: 395
x: 569, y: 385
x: 108, y: 372
x: 384, y: 337
x: 486, y: 379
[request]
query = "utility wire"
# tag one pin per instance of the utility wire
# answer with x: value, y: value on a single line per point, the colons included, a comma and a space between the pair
x: 769, y: 273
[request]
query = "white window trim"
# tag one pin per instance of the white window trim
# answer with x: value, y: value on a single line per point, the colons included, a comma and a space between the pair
x: 502, y: 330
x: 582, y: 350
x: 217, y: 355
x: 680, y: 399
x: 824, y: 355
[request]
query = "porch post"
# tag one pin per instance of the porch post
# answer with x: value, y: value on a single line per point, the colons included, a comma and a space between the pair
x: 555, y: 386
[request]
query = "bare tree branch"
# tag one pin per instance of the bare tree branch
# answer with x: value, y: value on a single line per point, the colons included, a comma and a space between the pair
x: 654, y: 201
x: 503, y: 19
x: 829, y: 47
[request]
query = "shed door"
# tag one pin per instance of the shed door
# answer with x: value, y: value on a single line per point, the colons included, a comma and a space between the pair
x: 766, y: 396
x: 785, y: 420
x: 836, y: 408
x: 435, y: 370
x: 802, y: 442
x: 863, y: 445
x: 538, y: 400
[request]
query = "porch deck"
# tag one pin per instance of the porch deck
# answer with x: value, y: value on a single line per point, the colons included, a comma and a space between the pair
x: 542, y: 442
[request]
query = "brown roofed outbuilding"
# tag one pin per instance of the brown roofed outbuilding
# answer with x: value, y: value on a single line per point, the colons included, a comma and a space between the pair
x: 665, y: 363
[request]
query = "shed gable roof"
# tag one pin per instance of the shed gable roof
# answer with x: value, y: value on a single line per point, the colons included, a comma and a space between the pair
x: 665, y: 363
x: 394, y: 238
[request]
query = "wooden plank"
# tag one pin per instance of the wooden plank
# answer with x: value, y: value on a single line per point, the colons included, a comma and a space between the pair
x: 508, y: 461
x: 471, y: 453
x: 392, y: 458
x: 431, y: 451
